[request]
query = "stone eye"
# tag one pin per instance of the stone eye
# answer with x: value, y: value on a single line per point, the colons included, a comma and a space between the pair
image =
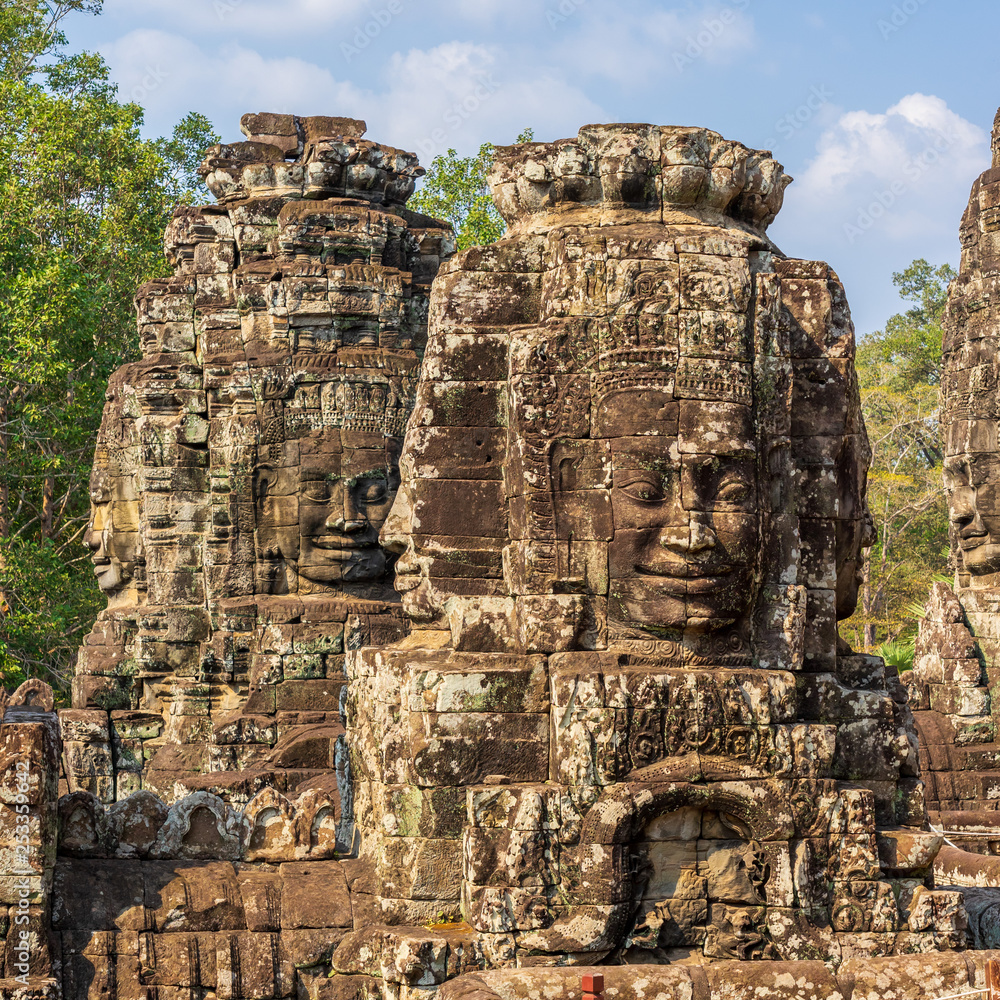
x: 645, y: 490
x: 955, y: 477
x: 375, y: 491
x: 318, y: 490
x: 734, y: 491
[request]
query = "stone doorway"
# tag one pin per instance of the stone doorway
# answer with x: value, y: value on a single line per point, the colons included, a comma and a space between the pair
x: 699, y: 890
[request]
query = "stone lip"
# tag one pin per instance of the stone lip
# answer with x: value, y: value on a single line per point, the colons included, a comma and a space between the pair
x: 639, y: 167
x: 289, y: 157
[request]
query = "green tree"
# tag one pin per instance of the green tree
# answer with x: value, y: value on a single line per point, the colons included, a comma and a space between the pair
x: 899, y: 370
x: 83, y: 204
x: 456, y: 191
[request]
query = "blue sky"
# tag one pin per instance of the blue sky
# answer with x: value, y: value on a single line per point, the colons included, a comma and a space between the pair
x: 881, y: 111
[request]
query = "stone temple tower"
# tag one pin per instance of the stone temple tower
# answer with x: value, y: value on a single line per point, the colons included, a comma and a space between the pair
x: 631, y: 513
x: 245, y: 465
x: 956, y: 668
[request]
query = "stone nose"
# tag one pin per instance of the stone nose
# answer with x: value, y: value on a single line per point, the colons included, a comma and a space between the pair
x: 696, y: 536
x: 94, y: 536
x: 869, y: 536
x: 964, y: 511
x: 345, y: 517
x: 395, y: 534
x: 973, y: 526
x: 702, y: 534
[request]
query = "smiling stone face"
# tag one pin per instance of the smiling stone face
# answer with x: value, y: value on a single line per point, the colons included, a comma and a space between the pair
x: 971, y: 481
x: 321, y: 506
x: 339, y: 520
x: 112, y: 534
x: 686, y: 526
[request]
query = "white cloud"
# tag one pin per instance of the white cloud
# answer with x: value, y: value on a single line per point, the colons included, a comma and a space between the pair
x: 227, y: 17
x: 304, y: 21
x: 170, y: 75
x: 916, y: 136
x: 895, y: 171
x: 488, y: 11
x: 457, y: 94
x: 634, y: 45
x: 883, y: 188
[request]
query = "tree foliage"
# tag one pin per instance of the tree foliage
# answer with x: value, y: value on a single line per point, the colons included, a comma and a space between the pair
x: 83, y: 203
x: 456, y: 191
x: 899, y: 370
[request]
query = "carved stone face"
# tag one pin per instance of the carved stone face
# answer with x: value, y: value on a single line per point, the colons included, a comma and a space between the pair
x: 855, y: 527
x: 324, y: 515
x: 971, y: 482
x: 686, y: 530
x: 412, y: 579
x: 111, y: 534
x: 339, y: 521
x: 853, y: 537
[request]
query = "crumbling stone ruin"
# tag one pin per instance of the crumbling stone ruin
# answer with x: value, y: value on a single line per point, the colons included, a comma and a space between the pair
x: 597, y: 711
x: 956, y: 666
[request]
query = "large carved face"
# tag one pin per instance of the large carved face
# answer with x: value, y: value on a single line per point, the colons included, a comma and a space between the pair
x: 971, y: 481
x: 112, y: 534
x: 855, y: 526
x: 686, y: 529
x: 323, y: 515
x: 412, y: 578
x: 340, y: 516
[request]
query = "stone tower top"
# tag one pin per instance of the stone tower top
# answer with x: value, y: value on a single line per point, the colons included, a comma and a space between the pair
x: 640, y: 168
x: 286, y: 156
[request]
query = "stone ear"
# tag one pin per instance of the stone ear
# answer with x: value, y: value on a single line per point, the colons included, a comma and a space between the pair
x: 264, y: 478
x: 773, y: 463
x: 393, y: 453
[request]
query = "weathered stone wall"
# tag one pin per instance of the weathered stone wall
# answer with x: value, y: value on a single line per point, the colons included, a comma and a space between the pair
x: 29, y: 765
x: 860, y: 978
